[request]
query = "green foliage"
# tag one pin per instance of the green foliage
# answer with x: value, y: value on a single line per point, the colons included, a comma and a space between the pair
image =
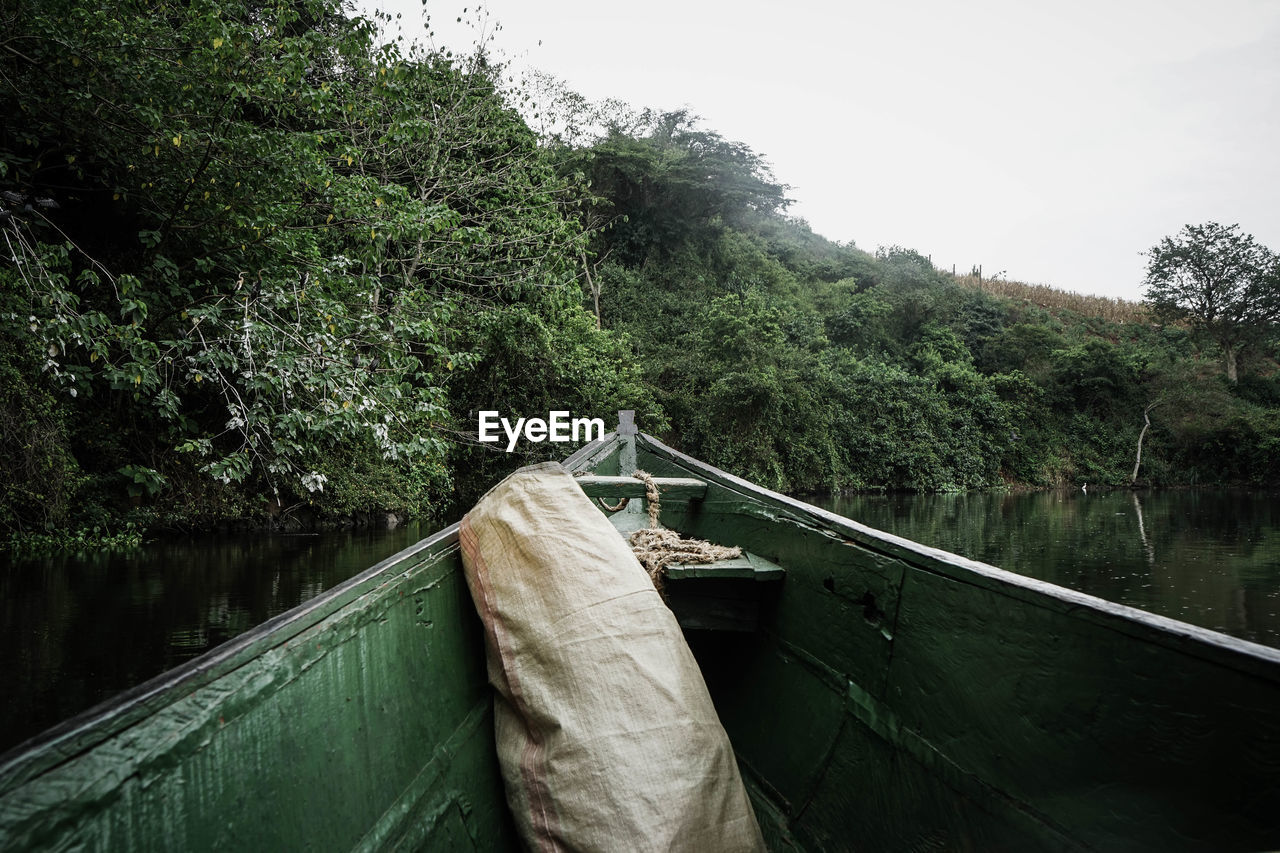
x: 251, y: 239
x: 259, y: 262
x: 142, y: 480
x: 300, y: 233
x: 1026, y: 347
x: 806, y: 364
x: 39, y: 476
x: 1263, y: 391
x: 856, y: 320
x: 359, y: 484
x: 86, y: 540
x: 1095, y: 375
x: 528, y: 362
x: 663, y: 183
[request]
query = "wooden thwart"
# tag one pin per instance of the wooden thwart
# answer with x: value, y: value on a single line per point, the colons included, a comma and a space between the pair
x: 746, y: 567
x: 674, y: 488
x: 724, y: 595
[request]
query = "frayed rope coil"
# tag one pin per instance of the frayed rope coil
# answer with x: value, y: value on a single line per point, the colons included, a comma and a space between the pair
x: 656, y: 547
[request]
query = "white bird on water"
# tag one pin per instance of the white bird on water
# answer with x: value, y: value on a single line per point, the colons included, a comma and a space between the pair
x: 1085, y: 488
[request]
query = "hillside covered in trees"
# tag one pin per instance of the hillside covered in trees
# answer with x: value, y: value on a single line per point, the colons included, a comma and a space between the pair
x: 260, y: 265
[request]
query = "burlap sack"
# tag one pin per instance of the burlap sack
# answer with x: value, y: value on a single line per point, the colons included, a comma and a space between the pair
x: 606, y: 734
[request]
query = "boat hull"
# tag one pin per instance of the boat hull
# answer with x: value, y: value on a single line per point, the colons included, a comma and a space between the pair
x: 890, y: 697
x: 902, y: 698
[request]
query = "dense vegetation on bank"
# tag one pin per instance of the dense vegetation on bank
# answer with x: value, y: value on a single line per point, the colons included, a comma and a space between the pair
x: 260, y: 265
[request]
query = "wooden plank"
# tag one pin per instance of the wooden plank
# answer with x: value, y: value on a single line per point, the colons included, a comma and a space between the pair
x: 674, y: 488
x: 830, y: 581
x: 749, y: 566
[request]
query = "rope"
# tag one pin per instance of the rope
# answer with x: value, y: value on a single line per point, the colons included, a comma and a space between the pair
x: 656, y: 548
x: 651, y: 495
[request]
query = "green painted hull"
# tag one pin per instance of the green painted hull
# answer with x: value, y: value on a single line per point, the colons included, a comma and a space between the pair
x: 360, y: 720
x: 894, y: 698
x: 903, y: 698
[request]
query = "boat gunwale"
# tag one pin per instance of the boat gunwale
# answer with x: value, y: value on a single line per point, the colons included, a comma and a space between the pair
x: 583, y: 457
x: 1220, y: 648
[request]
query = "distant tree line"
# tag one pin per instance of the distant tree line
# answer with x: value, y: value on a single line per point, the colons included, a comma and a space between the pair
x: 808, y: 364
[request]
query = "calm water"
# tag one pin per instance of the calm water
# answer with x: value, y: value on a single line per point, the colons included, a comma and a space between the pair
x: 77, y: 630
x: 1211, y: 558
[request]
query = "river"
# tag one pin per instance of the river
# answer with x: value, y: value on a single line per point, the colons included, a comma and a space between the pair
x: 1208, y: 557
x: 79, y: 629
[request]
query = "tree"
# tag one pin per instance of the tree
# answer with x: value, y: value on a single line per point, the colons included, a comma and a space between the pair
x: 1219, y: 280
x: 1146, y: 425
x: 257, y: 230
x: 667, y: 184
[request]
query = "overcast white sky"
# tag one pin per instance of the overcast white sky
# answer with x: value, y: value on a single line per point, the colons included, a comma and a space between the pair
x: 1054, y: 141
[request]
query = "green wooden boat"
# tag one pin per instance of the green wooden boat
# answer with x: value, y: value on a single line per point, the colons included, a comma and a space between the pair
x: 880, y: 695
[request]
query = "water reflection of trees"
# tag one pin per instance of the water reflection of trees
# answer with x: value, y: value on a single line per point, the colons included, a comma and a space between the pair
x: 80, y: 629
x: 1208, y: 557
